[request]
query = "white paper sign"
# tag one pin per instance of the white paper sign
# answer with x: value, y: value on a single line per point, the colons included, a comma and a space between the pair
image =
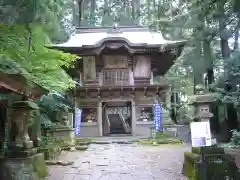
x: 200, y: 134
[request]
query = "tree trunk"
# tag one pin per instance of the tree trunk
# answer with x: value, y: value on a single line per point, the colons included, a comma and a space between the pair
x: 92, y: 12
x: 208, y: 61
x: 197, y: 67
x: 80, y: 12
x: 105, y: 12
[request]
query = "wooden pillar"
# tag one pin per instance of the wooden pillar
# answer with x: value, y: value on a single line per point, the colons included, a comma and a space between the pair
x: 99, y: 118
x: 133, y: 108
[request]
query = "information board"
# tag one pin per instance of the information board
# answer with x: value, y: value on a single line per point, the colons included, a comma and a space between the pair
x: 78, y: 119
x: 158, y: 117
x: 200, y: 134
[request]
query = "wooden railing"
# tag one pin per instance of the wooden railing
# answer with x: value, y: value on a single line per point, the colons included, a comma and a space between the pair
x: 115, y: 77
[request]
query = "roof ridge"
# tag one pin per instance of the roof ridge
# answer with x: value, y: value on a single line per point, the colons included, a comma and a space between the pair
x: 111, y: 29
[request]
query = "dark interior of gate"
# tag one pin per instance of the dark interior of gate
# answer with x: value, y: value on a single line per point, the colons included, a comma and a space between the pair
x: 116, y: 118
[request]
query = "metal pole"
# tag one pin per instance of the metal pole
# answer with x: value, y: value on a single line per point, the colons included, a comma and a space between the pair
x: 203, y: 164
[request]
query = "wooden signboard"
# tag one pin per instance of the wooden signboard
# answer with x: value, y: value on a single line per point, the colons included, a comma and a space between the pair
x: 116, y: 61
x: 89, y: 68
x: 142, y: 68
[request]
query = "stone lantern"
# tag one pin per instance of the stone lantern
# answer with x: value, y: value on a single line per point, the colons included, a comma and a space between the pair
x: 19, y: 143
x: 202, y: 112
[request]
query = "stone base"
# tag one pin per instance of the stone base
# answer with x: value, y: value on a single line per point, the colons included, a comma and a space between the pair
x: 30, y: 168
x: 20, y: 147
x: 62, y: 135
x: 16, y: 153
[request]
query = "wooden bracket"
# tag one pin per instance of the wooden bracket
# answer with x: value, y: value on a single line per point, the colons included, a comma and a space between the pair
x: 86, y: 90
x: 98, y: 93
x: 110, y: 92
x: 133, y: 92
x: 145, y: 92
x: 157, y: 91
x: 121, y: 92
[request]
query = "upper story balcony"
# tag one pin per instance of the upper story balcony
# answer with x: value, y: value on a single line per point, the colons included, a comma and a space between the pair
x: 116, y: 77
x: 121, y: 77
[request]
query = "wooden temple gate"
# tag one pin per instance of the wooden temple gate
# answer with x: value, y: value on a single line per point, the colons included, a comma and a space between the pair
x: 118, y: 66
x: 119, y: 100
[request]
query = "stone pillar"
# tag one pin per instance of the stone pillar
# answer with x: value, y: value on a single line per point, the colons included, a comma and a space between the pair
x: 70, y: 120
x: 99, y: 118
x: 133, y: 117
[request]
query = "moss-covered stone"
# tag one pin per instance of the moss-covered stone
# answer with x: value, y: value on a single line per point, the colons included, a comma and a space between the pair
x: 39, y: 165
x: 218, y: 166
x: 50, y: 151
x: 208, y: 150
x: 66, y: 147
x: 30, y: 168
x: 81, y: 148
x: 82, y: 141
x: 62, y: 136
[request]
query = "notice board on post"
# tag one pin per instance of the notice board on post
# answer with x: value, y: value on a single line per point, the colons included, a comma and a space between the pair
x: 200, y: 134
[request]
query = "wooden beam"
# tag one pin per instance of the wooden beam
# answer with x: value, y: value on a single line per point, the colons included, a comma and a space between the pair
x: 10, y: 88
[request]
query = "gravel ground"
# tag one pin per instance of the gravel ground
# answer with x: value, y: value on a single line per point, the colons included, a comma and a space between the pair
x: 122, y: 162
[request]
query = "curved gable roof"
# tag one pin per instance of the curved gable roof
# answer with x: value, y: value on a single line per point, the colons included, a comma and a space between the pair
x: 94, y: 37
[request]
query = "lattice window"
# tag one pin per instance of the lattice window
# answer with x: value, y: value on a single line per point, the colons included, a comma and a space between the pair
x: 116, y: 77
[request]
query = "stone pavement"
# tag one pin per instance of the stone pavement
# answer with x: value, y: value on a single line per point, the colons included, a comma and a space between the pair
x: 122, y: 162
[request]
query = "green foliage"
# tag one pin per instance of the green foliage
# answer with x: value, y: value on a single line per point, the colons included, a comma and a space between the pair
x: 40, y: 65
x: 52, y: 16
x: 27, y: 27
x: 234, y: 141
x: 50, y: 105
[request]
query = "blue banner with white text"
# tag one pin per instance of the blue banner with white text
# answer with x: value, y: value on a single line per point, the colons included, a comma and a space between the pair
x: 158, y: 117
x: 78, y: 119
